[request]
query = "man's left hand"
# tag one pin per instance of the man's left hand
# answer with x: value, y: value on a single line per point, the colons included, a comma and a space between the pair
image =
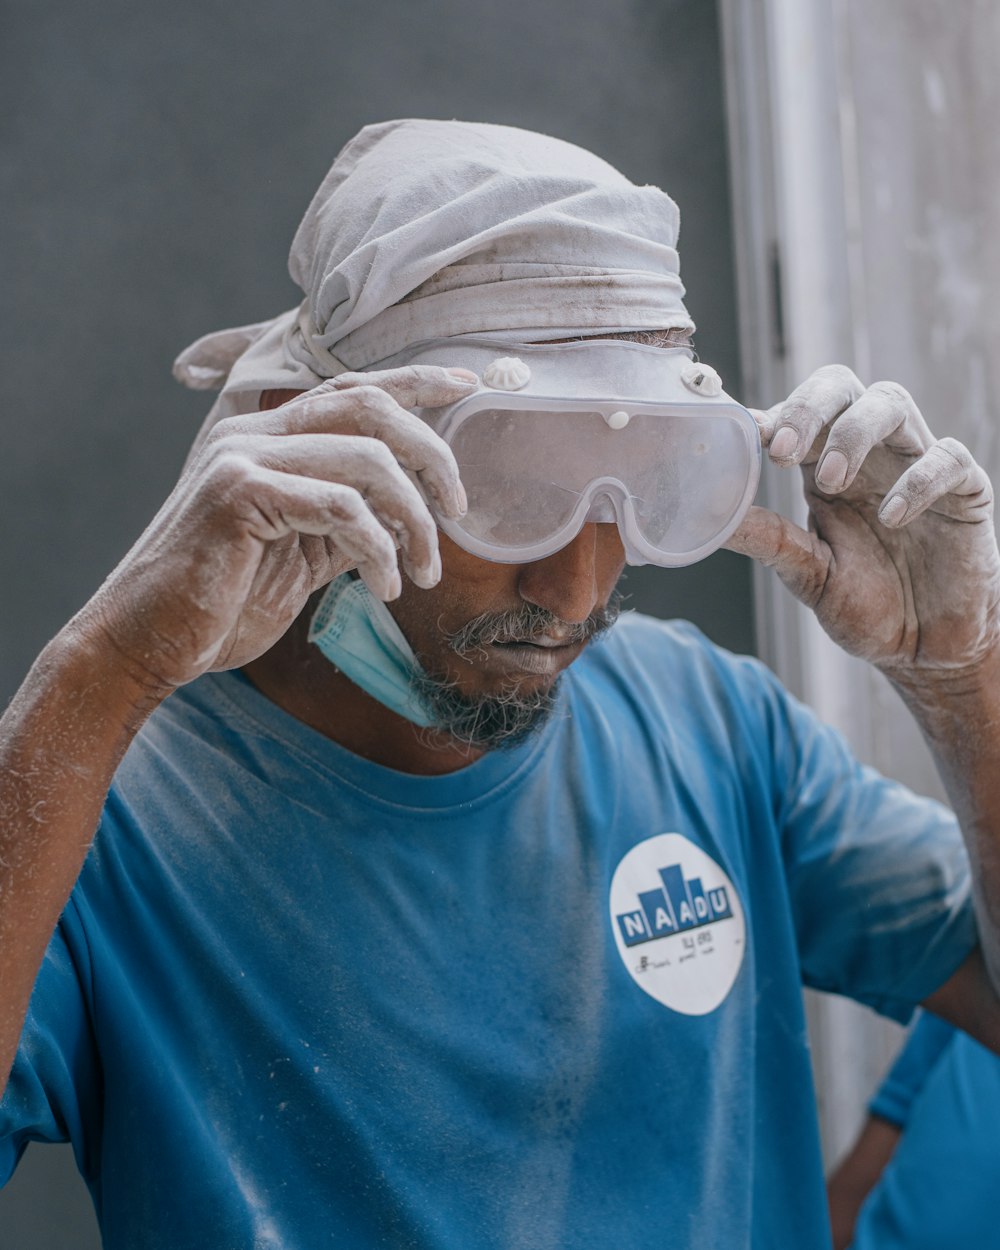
x: 900, y: 560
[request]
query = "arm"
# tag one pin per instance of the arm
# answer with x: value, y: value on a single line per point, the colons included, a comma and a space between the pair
x: 60, y: 742
x: 857, y: 1174
x: 959, y: 715
x: 888, y: 1114
x: 274, y: 506
x: 900, y: 565
x: 969, y: 1001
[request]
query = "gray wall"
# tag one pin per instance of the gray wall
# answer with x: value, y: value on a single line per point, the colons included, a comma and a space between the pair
x: 155, y: 161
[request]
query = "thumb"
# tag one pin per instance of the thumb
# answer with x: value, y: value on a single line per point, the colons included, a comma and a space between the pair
x: 800, y: 559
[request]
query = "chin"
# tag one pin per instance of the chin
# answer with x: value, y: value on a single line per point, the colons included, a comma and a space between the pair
x: 489, y: 719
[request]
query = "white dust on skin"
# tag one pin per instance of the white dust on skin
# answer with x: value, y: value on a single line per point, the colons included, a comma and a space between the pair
x: 273, y: 506
x: 902, y: 569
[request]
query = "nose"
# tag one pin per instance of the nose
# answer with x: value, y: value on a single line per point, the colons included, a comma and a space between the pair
x: 579, y: 577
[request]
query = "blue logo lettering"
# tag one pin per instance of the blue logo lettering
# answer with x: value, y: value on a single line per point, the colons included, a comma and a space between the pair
x: 677, y: 905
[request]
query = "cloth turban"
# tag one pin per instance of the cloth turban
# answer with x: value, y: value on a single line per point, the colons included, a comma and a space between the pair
x: 428, y: 229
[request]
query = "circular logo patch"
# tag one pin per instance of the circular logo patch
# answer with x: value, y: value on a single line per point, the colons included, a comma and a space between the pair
x: 678, y: 923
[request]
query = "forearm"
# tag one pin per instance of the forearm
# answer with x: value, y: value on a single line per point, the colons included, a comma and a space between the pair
x: 60, y: 742
x: 959, y: 714
x: 856, y: 1175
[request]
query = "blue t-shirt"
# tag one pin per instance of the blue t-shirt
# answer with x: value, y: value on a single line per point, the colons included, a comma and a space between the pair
x: 940, y: 1187
x: 548, y: 1002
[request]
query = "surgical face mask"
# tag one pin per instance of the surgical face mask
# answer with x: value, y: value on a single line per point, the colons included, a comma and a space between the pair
x: 601, y: 430
x: 357, y: 633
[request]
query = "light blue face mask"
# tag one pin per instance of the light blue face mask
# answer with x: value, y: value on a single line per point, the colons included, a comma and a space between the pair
x: 357, y: 633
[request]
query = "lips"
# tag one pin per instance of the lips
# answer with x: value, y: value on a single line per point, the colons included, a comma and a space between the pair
x: 539, y: 640
x: 541, y: 656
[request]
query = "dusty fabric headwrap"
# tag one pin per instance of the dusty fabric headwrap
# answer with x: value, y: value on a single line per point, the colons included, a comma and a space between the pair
x: 427, y: 229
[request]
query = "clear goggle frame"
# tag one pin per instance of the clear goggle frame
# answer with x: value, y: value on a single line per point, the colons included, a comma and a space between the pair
x: 560, y: 434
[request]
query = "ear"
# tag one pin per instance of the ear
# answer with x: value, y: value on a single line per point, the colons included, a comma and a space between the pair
x: 274, y: 399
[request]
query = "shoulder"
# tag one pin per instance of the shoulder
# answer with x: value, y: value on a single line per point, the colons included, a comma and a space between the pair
x: 198, y: 756
x: 669, y: 683
x: 673, y: 664
x: 669, y: 678
x: 212, y: 725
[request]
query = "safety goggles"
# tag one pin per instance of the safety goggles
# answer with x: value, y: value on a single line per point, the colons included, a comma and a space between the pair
x: 600, y: 430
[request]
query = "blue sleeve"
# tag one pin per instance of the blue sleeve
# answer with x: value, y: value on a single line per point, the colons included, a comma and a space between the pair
x: 913, y: 1066
x: 53, y: 1094
x: 877, y: 876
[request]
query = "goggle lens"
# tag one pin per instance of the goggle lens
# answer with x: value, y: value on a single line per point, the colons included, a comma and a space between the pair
x: 531, y: 475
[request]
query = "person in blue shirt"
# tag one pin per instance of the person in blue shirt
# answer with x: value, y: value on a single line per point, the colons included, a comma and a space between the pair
x: 924, y: 1170
x: 452, y: 923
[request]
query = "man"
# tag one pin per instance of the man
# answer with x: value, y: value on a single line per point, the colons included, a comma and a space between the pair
x: 425, y: 947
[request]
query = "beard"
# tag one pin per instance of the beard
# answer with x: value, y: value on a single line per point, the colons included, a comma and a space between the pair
x: 505, y: 718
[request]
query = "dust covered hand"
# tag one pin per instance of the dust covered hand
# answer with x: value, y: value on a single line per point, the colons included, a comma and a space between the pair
x: 274, y: 506
x: 900, y: 565
x: 900, y: 561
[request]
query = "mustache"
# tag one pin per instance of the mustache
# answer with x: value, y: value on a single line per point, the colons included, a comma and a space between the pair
x: 528, y: 622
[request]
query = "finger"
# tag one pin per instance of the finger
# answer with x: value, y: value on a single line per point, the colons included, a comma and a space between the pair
x: 416, y: 386
x: 800, y: 559
x: 946, y: 469
x: 367, y: 465
x: 276, y: 503
x: 767, y: 421
x: 373, y: 412
x: 819, y: 400
x: 885, y: 414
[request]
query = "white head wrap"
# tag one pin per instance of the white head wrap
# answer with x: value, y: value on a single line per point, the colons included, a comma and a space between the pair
x: 427, y: 229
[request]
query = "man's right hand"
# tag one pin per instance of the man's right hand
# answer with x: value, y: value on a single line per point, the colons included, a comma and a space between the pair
x: 275, y: 505
x: 272, y: 507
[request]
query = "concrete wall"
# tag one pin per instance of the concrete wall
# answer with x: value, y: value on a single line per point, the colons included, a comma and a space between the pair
x: 866, y: 156
x: 919, y: 103
x: 154, y: 162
